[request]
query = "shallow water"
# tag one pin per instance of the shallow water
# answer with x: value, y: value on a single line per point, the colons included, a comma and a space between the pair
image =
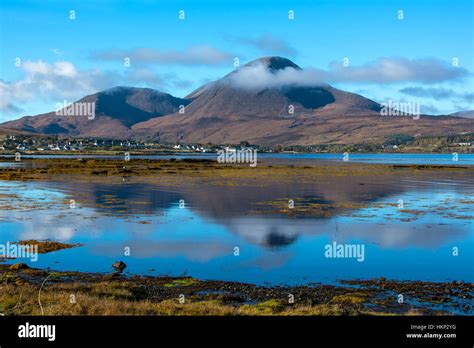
x: 385, y: 158
x: 413, y: 242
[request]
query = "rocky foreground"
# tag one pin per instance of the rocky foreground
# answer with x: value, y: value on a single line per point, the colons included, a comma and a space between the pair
x: 28, y: 291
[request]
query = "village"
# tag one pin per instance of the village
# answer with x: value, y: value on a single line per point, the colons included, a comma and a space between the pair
x: 53, y: 144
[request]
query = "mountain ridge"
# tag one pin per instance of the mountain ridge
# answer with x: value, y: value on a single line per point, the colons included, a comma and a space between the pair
x: 267, y: 101
x: 116, y: 109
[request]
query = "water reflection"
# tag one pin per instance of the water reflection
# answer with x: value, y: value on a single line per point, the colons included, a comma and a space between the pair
x: 411, y: 243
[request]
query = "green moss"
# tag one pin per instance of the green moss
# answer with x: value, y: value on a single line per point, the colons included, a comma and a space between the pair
x: 181, y: 282
x: 267, y: 307
x: 7, y: 304
x: 352, y: 298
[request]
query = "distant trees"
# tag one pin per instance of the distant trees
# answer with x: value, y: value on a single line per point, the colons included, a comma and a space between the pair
x: 278, y: 148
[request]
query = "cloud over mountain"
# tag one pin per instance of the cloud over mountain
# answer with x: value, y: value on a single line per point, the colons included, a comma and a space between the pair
x: 382, y: 70
x: 259, y: 75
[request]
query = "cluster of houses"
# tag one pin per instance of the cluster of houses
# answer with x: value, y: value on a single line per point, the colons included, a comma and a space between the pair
x: 26, y: 143
x: 196, y: 148
x: 29, y: 143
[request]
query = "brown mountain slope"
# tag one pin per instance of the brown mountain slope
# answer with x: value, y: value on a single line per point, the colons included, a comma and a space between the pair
x: 226, y: 97
x: 11, y: 131
x: 115, y: 111
x: 223, y: 112
x: 303, y: 129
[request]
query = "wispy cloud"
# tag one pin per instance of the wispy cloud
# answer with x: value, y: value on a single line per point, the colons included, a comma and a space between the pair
x: 394, y: 70
x: 196, y: 55
x: 57, y: 51
x: 437, y: 93
x: 429, y: 109
x: 265, y: 43
x: 7, y: 108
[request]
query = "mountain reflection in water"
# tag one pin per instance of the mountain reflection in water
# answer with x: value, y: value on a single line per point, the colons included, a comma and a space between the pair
x: 413, y: 243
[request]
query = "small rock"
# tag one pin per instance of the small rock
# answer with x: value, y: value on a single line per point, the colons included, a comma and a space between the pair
x: 19, y: 265
x: 119, y: 266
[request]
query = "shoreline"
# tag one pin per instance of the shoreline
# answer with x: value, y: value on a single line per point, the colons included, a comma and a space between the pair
x: 108, y: 294
x: 11, y: 153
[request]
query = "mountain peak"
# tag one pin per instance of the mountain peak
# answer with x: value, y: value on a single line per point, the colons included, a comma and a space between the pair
x: 274, y: 63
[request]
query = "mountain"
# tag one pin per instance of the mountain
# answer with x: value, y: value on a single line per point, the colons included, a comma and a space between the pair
x: 225, y: 98
x: 268, y: 101
x: 110, y: 113
x: 464, y: 114
x: 225, y: 111
x: 11, y: 131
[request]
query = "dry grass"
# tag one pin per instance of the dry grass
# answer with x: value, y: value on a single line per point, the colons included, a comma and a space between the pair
x: 107, y: 298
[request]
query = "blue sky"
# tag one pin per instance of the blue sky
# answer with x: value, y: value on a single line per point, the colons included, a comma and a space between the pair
x: 409, y: 59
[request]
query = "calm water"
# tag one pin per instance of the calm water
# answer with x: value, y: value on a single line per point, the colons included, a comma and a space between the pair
x: 413, y: 243
x: 387, y: 158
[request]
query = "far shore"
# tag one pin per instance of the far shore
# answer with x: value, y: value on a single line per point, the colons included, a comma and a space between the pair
x: 168, y: 152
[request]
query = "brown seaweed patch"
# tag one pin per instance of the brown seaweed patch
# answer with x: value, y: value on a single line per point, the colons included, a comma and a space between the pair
x: 47, y: 246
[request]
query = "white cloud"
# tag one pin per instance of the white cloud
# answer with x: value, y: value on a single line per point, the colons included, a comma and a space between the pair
x: 38, y: 67
x: 258, y: 76
x: 55, y: 82
x: 51, y: 82
x: 65, y: 69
